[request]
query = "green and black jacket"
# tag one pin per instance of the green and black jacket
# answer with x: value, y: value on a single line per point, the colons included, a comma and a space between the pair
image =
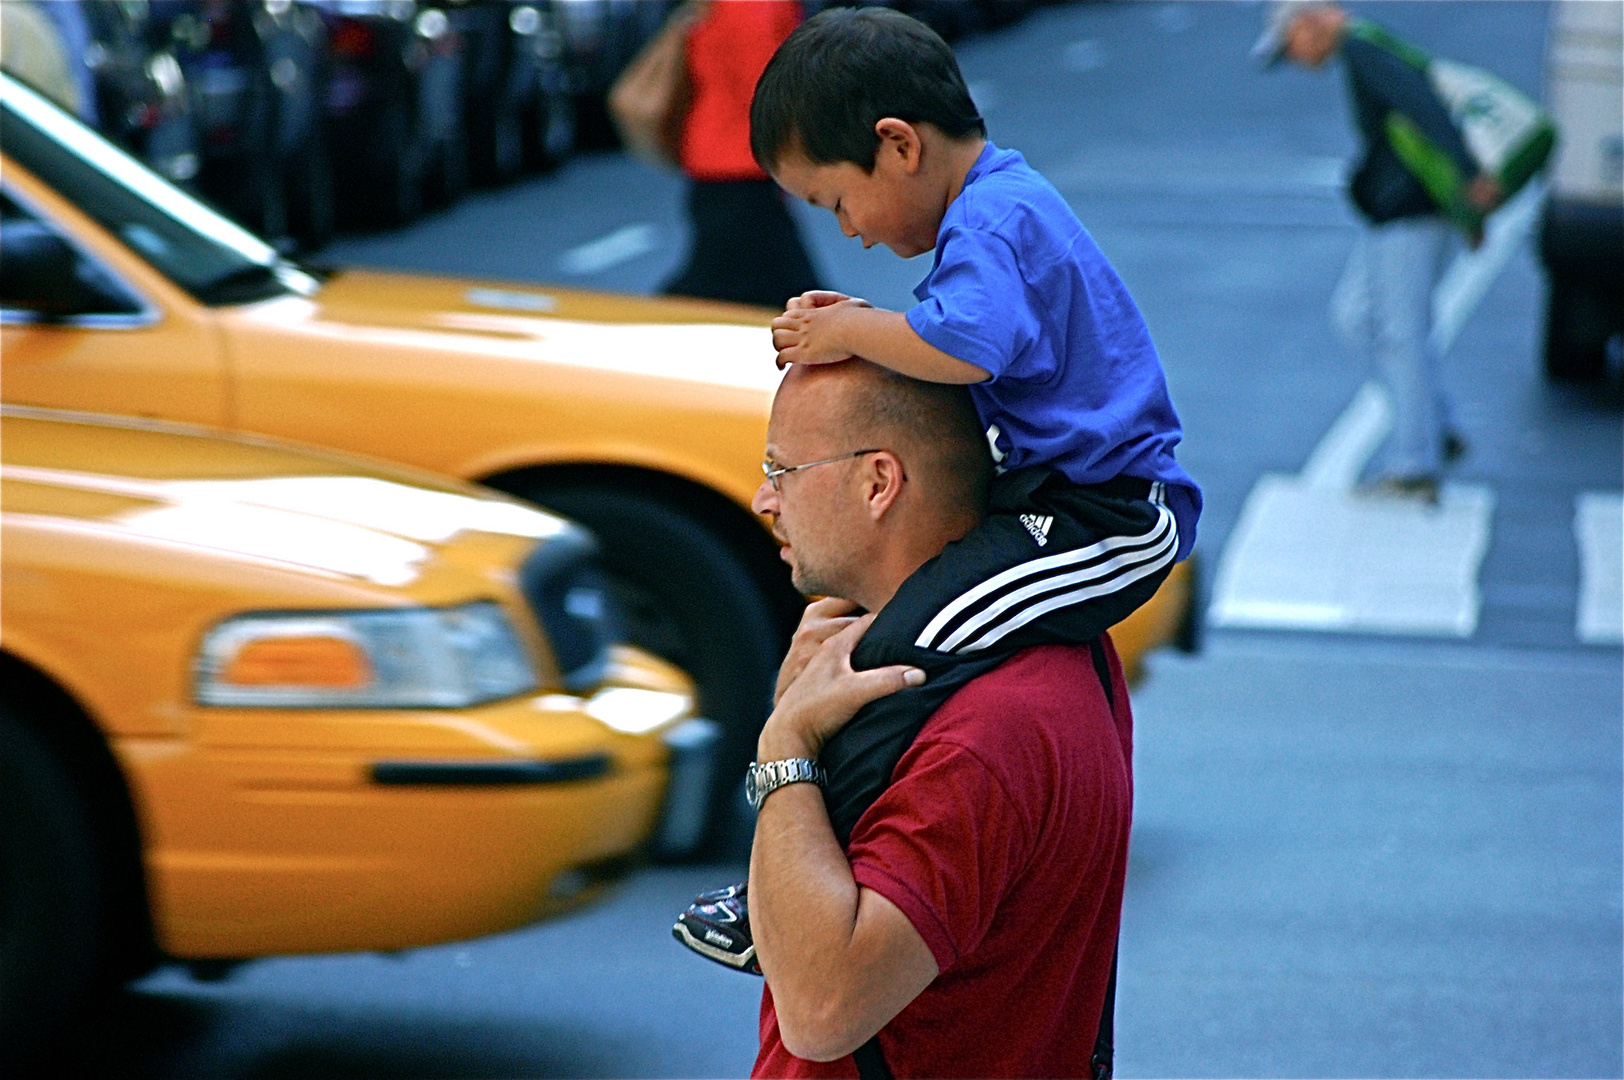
x: 1398, y: 112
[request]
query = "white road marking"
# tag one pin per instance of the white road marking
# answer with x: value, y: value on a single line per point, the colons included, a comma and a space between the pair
x: 1342, y: 452
x: 1192, y: 172
x: 1469, y: 276
x: 622, y: 245
x: 1599, y: 526
x: 1175, y: 18
x: 1085, y: 55
x: 1309, y: 553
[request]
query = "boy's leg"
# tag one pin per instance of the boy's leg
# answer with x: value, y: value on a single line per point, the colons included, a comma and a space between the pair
x: 1053, y: 562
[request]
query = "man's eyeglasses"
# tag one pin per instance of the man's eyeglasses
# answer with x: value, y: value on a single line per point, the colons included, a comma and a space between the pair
x: 772, y: 470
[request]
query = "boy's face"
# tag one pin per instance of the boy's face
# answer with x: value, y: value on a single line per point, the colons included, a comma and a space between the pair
x: 894, y: 205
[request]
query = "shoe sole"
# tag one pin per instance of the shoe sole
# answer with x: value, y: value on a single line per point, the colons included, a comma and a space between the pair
x: 737, y: 961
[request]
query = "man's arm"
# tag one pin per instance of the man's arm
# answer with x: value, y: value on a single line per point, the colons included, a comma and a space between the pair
x: 847, y: 328
x: 841, y: 960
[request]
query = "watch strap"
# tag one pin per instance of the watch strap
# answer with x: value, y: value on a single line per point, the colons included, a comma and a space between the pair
x: 767, y: 777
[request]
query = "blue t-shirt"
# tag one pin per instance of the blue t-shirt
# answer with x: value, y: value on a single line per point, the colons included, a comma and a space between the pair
x: 1019, y: 288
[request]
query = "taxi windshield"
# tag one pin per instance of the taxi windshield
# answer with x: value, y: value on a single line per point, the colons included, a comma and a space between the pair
x: 211, y: 257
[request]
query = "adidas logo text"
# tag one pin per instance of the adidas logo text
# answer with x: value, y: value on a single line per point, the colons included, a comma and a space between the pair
x: 1038, y: 526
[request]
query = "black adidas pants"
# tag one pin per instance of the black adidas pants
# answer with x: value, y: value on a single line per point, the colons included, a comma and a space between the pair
x: 1050, y: 553
x: 1053, y: 563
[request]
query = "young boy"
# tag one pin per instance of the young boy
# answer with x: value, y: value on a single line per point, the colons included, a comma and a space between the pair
x: 864, y: 112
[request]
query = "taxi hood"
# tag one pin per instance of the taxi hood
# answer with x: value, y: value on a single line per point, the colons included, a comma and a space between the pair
x: 688, y: 340
x: 245, y: 497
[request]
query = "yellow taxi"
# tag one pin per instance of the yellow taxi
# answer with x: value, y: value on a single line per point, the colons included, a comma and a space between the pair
x: 262, y: 700
x: 642, y: 419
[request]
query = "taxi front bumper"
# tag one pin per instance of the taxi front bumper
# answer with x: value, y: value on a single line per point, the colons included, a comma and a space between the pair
x: 274, y: 833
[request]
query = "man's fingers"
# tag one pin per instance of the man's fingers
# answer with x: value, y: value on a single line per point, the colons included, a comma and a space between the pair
x: 878, y: 682
x: 828, y: 607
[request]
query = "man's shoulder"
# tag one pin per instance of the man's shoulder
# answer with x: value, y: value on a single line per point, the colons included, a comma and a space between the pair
x: 1034, y: 691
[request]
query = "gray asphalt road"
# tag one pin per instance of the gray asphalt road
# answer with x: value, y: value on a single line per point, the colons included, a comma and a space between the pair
x: 1353, y: 856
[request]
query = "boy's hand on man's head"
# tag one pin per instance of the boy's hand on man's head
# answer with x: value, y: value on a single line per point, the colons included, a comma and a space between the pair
x: 810, y: 335
x: 815, y: 298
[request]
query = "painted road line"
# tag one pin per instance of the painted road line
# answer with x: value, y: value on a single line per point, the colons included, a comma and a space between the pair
x: 1087, y: 54
x: 1469, y: 276
x: 622, y: 245
x: 1310, y: 553
x: 1599, y: 526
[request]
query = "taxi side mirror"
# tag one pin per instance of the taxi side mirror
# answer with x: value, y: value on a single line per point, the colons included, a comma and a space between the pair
x: 43, y: 274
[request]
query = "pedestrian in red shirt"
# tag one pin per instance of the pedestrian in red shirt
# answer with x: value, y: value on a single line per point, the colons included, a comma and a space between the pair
x: 968, y: 928
x: 746, y: 247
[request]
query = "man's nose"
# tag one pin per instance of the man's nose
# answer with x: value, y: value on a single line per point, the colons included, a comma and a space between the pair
x: 847, y: 228
x: 765, y: 500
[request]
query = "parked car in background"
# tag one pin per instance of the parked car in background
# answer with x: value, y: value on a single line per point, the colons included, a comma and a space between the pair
x: 517, y: 107
x: 394, y: 112
x: 1582, y: 238
x: 643, y: 419
x: 600, y: 37
x: 142, y: 98
x: 265, y: 701
x: 257, y: 72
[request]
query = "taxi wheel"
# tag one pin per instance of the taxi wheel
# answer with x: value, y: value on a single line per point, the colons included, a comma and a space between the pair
x: 686, y: 595
x: 51, y: 891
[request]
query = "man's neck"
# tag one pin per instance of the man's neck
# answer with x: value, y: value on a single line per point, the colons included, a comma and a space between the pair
x: 896, y: 562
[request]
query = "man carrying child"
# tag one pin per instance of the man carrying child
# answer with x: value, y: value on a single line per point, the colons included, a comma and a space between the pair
x: 970, y: 734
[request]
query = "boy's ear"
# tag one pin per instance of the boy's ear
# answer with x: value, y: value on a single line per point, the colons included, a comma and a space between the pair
x: 901, y: 140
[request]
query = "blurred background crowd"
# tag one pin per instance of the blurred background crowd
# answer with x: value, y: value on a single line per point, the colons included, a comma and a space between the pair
x: 248, y: 103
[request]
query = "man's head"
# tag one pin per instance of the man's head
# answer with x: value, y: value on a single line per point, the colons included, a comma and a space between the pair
x: 858, y: 525
x: 1306, y: 32
x: 848, y: 113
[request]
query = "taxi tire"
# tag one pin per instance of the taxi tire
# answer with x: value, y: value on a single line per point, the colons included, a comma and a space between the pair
x: 703, y: 609
x: 52, y: 894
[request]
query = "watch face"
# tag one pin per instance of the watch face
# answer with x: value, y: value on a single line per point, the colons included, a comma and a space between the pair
x: 750, y: 791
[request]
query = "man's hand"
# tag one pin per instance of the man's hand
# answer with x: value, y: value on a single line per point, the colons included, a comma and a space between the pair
x: 810, y: 334
x: 827, y: 693
x: 821, y: 620
x: 1484, y: 193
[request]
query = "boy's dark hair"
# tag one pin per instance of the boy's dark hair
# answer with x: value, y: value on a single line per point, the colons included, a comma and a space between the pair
x: 843, y: 71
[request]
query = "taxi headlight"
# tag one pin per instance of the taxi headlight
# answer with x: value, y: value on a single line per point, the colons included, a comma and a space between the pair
x: 634, y: 711
x: 412, y: 658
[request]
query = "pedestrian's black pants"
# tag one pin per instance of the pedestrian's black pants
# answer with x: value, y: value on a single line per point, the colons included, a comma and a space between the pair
x: 1054, y: 562
x: 746, y: 247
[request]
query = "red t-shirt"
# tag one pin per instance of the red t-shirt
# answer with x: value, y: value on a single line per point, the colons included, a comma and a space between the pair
x: 1004, y: 839
x: 727, y: 52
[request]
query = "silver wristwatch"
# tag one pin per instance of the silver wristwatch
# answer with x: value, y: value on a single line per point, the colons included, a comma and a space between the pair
x: 764, y: 778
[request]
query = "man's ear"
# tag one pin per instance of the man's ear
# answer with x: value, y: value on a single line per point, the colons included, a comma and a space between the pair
x: 882, y: 482
x: 900, y: 141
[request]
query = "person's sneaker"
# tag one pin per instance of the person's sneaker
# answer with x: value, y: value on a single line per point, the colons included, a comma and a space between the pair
x: 1419, y: 488
x: 717, y: 927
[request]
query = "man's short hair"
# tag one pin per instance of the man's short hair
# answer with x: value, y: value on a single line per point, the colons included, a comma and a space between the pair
x: 843, y: 71
x: 931, y: 426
